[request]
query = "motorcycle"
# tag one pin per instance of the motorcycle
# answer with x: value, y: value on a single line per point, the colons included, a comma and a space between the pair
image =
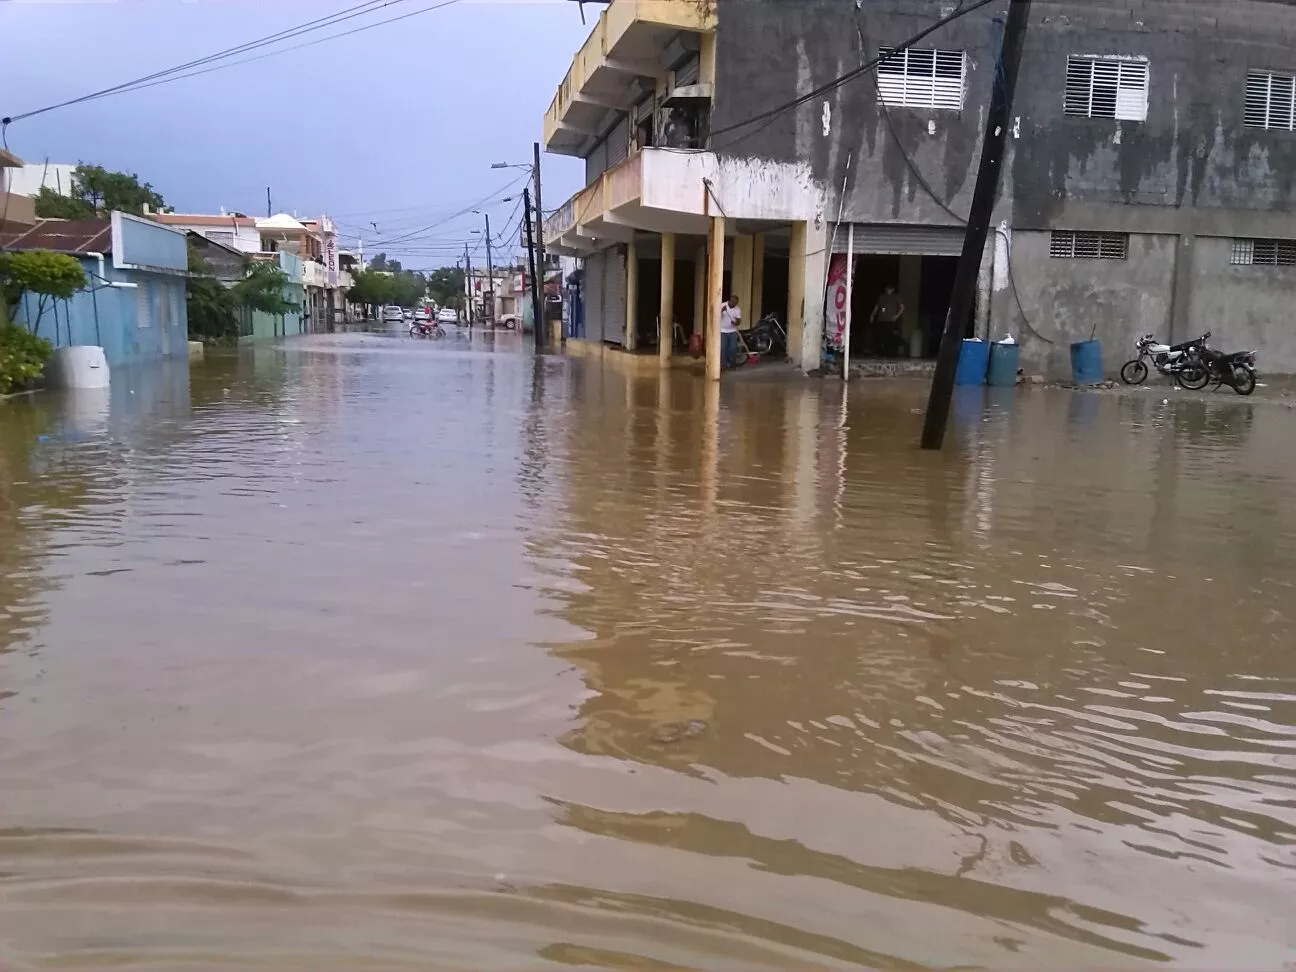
x: 426, y: 329
x: 766, y: 336
x: 1168, y: 359
x: 1206, y: 365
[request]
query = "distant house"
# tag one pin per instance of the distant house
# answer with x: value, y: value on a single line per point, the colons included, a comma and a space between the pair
x: 228, y: 265
x: 230, y: 229
x: 134, y: 302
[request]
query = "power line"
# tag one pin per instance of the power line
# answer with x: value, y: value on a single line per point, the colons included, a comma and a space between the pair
x: 173, y: 73
x: 849, y: 75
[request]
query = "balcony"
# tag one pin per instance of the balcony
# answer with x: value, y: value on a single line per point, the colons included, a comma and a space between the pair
x: 624, y: 46
x: 676, y: 191
x: 314, y: 274
x: 17, y: 210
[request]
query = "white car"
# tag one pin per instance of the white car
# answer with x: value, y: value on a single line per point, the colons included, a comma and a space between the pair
x: 447, y: 315
x: 392, y: 314
x: 421, y: 313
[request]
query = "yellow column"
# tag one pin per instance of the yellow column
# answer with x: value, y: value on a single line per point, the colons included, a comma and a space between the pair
x: 699, y: 289
x: 796, y: 290
x: 758, y: 276
x: 741, y: 283
x: 714, y: 295
x: 632, y: 294
x: 666, y: 313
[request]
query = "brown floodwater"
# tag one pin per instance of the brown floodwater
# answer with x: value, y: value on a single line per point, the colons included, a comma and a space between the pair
x: 370, y: 654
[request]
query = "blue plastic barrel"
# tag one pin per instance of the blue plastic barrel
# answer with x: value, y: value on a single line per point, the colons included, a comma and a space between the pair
x: 1003, y: 365
x: 1086, y: 362
x: 974, y: 356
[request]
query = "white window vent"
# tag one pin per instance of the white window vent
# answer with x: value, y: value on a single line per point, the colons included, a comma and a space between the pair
x: 1107, y: 87
x: 1085, y: 245
x: 1264, y: 253
x: 1270, y: 101
x: 926, y: 78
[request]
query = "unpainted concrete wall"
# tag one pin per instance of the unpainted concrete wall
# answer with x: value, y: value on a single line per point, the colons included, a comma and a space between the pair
x: 1115, y: 301
x: 1244, y: 307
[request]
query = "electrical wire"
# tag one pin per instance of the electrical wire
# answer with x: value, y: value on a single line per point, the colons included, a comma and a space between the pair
x: 174, y: 73
x: 416, y: 234
x: 851, y: 74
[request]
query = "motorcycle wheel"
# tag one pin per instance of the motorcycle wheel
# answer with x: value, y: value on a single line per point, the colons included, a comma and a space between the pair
x: 1244, y: 380
x: 1194, y: 377
x: 413, y: 331
x: 1134, y: 372
x: 761, y: 343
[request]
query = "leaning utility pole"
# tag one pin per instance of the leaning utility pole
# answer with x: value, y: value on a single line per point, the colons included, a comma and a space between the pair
x: 539, y: 225
x: 537, y: 323
x: 269, y: 208
x: 978, y: 225
x: 468, y: 283
x: 490, y: 278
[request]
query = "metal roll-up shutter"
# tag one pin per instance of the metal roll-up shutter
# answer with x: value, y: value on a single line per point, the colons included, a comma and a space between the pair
x: 618, y: 142
x: 595, y: 162
x: 593, y: 284
x: 688, y: 72
x: 614, y: 295
x: 919, y: 240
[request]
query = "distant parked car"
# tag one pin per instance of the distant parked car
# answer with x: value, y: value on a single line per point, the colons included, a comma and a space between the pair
x: 447, y: 315
x: 408, y: 314
x: 392, y: 314
x: 422, y: 313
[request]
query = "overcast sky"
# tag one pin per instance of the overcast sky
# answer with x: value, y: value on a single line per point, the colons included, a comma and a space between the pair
x: 397, y: 125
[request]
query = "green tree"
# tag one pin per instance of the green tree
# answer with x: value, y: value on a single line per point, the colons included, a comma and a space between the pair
x: 47, y: 275
x: 212, y: 311
x: 262, y: 289
x: 96, y: 191
x: 22, y: 357
x: 445, y: 285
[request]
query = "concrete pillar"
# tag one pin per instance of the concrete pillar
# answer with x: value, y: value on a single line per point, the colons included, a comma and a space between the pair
x: 699, y: 289
x: 666, y: 313
x: 758, y: 277
x: 741, y: 278
x: 816, y: 276
x: 1180, y: 323
x: 796, y: 293
x: 981, y: 318
x: 910, y: 291
x: 632, y: 294
x: 714, y: 295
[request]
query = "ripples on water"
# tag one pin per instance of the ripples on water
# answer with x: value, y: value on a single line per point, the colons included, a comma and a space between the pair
x: 371, y: 654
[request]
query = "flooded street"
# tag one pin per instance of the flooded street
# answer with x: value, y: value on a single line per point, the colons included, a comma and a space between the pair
x: 363, y: 653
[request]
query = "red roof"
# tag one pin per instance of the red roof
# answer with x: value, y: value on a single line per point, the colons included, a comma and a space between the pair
x: 203, y: 219
x: 62, y: 236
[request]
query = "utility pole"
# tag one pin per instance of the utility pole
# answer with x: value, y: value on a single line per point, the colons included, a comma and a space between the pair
x: 978, y: 225
x: 490, y: 278
x: 269, y: 208
x: 537, y: 322
x: 539, y: 226
x: 468, y: 282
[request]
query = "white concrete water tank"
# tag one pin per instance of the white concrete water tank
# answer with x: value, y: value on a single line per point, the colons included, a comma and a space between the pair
x: 79, y: 366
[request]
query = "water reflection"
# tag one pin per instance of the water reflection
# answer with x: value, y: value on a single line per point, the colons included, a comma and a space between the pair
x: 358, y: 652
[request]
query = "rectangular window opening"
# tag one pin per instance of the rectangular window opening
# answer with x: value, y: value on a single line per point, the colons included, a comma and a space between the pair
x: 922, y: 78
x: 1087, y: 245
x: 1110, y: 86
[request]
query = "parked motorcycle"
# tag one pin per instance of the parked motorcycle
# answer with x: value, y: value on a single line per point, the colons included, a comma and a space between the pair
x: 1206, y: 365
x: 1168, y: 359
x: 766, y: 336
x: 427, y: 329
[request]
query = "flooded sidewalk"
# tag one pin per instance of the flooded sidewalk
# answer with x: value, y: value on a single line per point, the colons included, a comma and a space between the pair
x: 367, y: 653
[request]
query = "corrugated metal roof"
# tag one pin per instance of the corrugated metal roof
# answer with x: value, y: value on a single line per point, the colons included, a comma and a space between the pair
x: 62, y: 236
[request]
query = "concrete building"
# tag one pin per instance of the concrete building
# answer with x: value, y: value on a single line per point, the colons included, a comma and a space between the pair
x: 228, y: 229
x: 1147, y: 186
x: 134, y: 303
x: 29, y: 179
x: 229, y: 265
x: 16, y: 209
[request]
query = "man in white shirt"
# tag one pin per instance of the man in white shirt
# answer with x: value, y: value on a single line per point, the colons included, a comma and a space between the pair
x: 730, y: 315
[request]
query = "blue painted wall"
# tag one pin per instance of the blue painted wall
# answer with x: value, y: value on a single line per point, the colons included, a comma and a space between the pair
x: 145, y: 244
x: 141, y: 323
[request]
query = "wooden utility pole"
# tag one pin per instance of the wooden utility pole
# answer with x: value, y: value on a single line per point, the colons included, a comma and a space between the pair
x: 490, y: 278
x: 537, y: 311
x: 983, y: 199
x: 539, y: 230
x: 468, y: 283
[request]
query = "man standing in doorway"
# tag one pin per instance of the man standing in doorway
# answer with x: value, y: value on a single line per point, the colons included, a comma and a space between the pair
x: 885, y: 320
x: 730, y: 315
